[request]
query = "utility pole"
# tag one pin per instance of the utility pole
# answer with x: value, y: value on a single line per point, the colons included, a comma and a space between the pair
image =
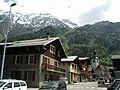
x: 6, y: 36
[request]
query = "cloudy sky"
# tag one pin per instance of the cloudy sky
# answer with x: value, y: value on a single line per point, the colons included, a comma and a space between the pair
x: 78, y: 11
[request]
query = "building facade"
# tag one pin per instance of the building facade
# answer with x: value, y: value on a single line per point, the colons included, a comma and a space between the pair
x: 35, y: 61
x: 73, y: 68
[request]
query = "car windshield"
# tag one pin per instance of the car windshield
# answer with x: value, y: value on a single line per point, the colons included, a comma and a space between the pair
x: 1, y: 83
x: 101, y: 78
x: 117, y: 82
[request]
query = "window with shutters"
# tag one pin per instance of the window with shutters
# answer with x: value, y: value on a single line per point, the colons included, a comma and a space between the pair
x: 52, y: 49
x: 46, y: 60
x: 31, y: 59
x: 18, y: 59
x: 16, y: 74
x: 29, y: 75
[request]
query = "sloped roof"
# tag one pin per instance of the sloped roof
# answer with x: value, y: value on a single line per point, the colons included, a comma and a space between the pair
x: 102, y: 67
x: 83, y: 58
x: 69, y: 58
x: 33, y: 42
x: 115, y: 57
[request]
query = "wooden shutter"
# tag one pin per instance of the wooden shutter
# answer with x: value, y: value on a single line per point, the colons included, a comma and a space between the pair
x: 49, y: 61
x: 43, y: 59
x: 33, y: 77
x: 35, y: 59
x: 27, y: 59
x: 25, y: 75
x: 14, y: 59
x: 21, y: 60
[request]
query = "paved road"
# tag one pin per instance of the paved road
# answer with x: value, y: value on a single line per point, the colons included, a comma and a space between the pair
x: 87, y: 86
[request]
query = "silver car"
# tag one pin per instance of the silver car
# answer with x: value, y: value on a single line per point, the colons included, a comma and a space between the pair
x: 54, y: 85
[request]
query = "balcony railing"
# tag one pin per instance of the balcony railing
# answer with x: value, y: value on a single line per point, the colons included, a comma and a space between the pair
x: 52, y: 68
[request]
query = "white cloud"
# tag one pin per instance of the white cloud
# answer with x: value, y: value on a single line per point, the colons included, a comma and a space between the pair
x: 79, y: 11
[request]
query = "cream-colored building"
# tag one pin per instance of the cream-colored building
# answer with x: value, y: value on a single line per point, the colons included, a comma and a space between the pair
x: 72, y: 65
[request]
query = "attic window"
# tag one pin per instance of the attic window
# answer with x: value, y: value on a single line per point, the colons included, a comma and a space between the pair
x: 59, y: 53
x: 52, y: 49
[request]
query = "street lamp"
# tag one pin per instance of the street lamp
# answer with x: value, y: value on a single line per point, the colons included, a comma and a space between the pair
x: 6, y: 36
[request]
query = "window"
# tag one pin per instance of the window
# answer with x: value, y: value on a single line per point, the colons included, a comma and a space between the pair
x: 75, y: 67
x: 16, y: 74
x: 59, y: 53
x: 16, y: 84
x: 18, y: 59
x: 29, y: 75
x: 72, y: 66
x: 22, y: 84
x: 46, y: 60
x: 55, y: 63
x: 9, y: 85
x: 52, y: 49
x: 31, y: 59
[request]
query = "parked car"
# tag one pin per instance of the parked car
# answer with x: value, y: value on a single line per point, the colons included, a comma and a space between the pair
x: 50, y: 85
x: 65, y: 79
x: 101, y: 80
x: 62, y: 85
x: 118, y: 87
x: 10, y: 84
x: 113, y: 85
x: 54, y: 85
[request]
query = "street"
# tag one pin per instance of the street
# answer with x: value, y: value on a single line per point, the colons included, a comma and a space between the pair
x: 87, y: 86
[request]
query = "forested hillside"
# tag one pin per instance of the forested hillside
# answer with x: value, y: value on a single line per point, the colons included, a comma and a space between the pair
x: 104, y: 37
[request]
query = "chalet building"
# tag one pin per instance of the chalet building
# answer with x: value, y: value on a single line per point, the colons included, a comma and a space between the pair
x: 116, y: 66
x: 116, y: 62
x: 36, y: 61
x: 86, y: 74
x: 72, y: 65
x: 102, y: 71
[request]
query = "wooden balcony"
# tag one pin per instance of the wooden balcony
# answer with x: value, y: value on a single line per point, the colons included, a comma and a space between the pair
x: 52, y: 68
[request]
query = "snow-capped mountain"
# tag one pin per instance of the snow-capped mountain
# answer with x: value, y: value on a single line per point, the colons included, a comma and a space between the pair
x: 27, y: 23
x: 39, y: 20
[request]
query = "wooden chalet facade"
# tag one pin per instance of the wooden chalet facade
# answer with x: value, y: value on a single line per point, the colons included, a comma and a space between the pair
x: 35, y: 61
x: 116, y: 62
x: 86, y: 74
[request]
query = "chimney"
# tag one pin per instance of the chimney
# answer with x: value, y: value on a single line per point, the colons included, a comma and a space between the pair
x: 48, y: 35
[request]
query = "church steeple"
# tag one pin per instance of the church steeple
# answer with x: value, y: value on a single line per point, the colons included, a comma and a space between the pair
x: 95, y: 61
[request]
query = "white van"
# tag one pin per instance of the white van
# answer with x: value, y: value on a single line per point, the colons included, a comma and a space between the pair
x: 11, y: 84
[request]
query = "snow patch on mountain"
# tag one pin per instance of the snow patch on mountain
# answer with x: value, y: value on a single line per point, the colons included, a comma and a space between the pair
x: 39, y: 20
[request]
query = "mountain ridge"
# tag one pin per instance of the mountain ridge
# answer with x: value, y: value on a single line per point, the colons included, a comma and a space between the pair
x: 104, y: 36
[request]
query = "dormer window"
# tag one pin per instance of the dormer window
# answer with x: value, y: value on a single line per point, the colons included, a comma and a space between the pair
x: 52, y: 49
